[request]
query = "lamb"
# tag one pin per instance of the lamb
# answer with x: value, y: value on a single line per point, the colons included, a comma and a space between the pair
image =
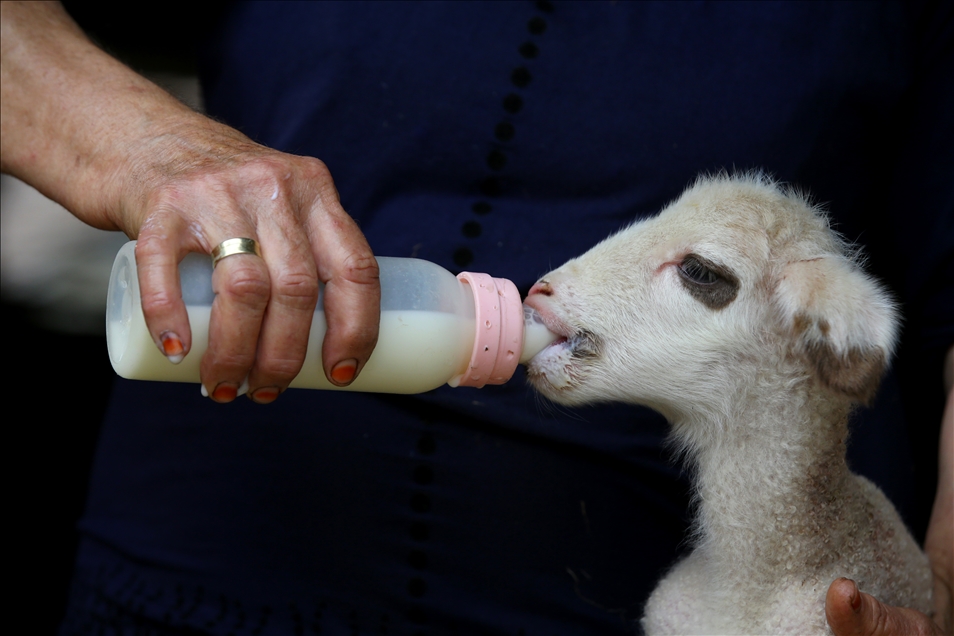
x: 749, y: 324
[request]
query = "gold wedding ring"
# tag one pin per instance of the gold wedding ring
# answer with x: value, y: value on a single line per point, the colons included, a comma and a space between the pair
x: 232, y: 246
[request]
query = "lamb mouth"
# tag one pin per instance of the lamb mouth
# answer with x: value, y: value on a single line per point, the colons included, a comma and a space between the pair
x: 564, y: 365
x: 585, y: 345
x: 582, y: 346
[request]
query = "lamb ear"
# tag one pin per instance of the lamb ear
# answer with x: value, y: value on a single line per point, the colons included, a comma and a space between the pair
x: 841, y: 322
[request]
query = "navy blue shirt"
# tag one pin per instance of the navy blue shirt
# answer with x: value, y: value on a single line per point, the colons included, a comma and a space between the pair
x: 506, y: 138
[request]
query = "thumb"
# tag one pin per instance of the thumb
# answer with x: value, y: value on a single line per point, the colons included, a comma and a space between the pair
x: 851, y: 612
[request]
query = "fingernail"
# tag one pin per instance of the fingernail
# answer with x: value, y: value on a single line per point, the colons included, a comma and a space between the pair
x: 855, y: 598
x: 172, y: 347
x: 344, y: 372
x: 224, y: 392
x: 203, y: 390
x: 265, y: 395
x: 242, y: 390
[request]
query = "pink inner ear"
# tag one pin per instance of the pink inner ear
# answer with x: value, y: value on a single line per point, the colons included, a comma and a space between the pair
x: 855, y: 373
x: 843, y: 323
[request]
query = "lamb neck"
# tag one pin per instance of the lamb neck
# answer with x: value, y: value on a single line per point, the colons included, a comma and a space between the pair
x: 773, y: 483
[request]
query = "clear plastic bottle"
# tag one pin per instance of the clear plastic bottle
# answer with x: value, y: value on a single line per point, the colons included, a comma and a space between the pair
x: 436, y: 328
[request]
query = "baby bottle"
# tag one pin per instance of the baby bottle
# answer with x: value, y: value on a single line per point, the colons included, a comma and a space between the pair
x: 468, y: 330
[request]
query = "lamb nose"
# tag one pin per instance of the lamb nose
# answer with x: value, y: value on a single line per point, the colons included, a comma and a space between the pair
x: 541, y: 287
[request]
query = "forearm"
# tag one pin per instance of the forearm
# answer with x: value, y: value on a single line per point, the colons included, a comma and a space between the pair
x: 72, y: 118
x: 949, y: 371
x: 939, y: 543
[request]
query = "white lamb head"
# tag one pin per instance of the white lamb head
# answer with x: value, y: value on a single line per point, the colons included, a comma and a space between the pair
x: 738, y: 283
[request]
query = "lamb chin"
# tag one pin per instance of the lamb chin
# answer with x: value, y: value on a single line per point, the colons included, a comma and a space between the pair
x: 560, y: 369
x: 551, y: 370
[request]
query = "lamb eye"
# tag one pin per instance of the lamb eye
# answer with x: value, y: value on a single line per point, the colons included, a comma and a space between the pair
x: 693, y: 270
x: 715, y: 286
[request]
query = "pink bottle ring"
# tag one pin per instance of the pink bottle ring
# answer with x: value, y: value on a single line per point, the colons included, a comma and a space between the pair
x: 498, y: 340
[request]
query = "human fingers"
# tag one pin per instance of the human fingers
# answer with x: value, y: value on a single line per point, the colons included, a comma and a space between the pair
x: 286, y: 324
x: 279, y: 207
x: 218, y: 185
x: 179, y: 221
x: 241, y: 286
x: 158, y: 252
x: 349, y: 271
x: 851, y: 612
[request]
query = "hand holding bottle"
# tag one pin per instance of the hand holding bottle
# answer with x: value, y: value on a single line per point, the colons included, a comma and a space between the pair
x: 121, y: 153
